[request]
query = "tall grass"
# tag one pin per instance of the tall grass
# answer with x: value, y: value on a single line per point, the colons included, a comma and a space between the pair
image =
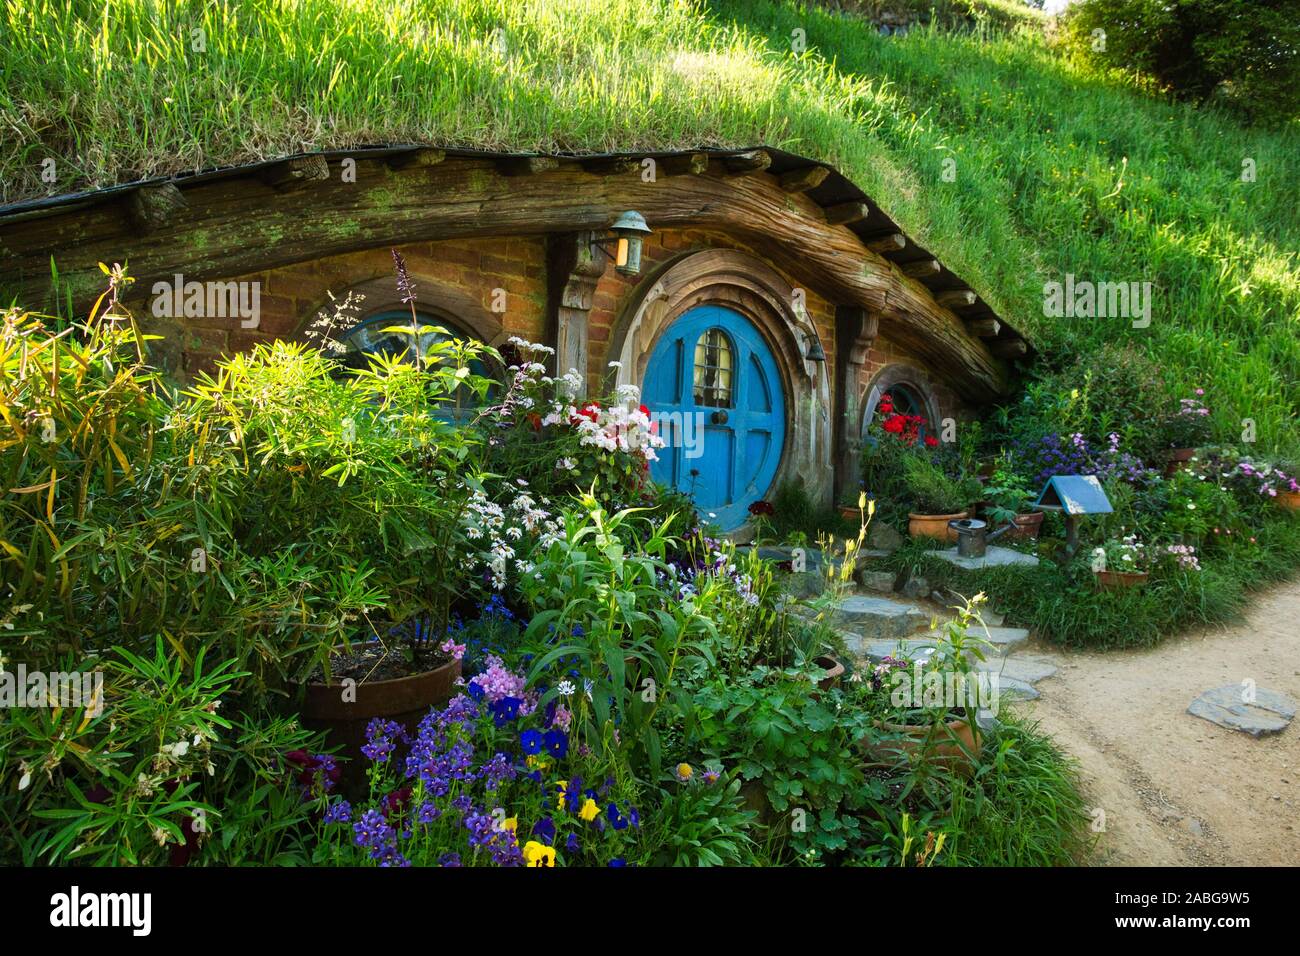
x: 1056, y: 171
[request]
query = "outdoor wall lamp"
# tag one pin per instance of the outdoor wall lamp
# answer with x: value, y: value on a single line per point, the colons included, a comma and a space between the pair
x: 813, y: 351
x: 628, y: 229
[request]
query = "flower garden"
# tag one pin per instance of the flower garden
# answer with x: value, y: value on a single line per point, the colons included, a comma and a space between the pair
x: 586, y: 676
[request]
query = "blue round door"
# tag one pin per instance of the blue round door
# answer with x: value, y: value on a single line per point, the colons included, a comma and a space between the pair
x: 713, y: 386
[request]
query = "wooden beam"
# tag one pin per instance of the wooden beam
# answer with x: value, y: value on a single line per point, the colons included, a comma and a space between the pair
x: 618, y: 166
x: 956, y: 298
x: 984, y: 328
x: 152, y: 207
x: 802, y: 180
x: 528, y: 165
x: 841, y: 214
x: 893, y: 242
x: 298, y: 171
x: 230, y: 230
x: 1009, y: 348
x: 416, y: 157
x: 921, y: 268
x: 743, y: 164
x: 684, y: 164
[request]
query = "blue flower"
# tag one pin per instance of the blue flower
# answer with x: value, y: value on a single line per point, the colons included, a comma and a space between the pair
x: 505, y: 710
x: 618, y: 861
x: 475, y: 690
x: 571, y: 844
x: 531, y: 741
x: 557, y: 743
x: 615, y: 818
x: 545, y: 828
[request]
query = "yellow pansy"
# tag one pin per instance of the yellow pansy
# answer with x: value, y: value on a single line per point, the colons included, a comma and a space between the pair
x: 564, y: 790
x: 589, y: 810
x: 537, y: 854
x: 510, y: 823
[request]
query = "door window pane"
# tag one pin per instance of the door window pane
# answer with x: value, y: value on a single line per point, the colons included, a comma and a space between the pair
x: 713, y: 368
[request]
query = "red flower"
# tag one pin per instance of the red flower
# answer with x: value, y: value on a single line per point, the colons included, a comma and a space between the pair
x: 645, y: 411
x: 590, y: 411
x: 761, y: 507
x: 931, y: 441
x: 535, y: 420
x: 894, y: 424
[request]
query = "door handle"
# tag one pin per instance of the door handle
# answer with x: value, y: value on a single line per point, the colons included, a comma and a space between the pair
x: 719, y: 417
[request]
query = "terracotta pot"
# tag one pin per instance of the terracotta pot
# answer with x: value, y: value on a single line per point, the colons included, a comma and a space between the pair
x: 1117, y: 580
x: 955, y: 744
x: 850, y: 513
x: 1178, y: 459
x: 832, y: 670
x: 1027, y: 526
x: 404, y: 699
x: 1289, y: 500
x: 933, y: 526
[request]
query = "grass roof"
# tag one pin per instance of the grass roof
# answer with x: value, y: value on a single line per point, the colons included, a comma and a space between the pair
x: 1050, y: 170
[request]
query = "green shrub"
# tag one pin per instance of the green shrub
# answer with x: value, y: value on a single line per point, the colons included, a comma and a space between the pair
x: 1200, y: 49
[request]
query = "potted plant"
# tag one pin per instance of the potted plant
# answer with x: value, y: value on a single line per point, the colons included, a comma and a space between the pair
x: 395, y: 675
x: 1186, y: 430
x: 936, y: 496
x: 1009, y: 495
x: 927, y: 709
x: 1121, y: 564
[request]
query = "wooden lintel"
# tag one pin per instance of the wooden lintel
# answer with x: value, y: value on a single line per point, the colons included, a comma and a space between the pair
x: 894, y: 242
x: 956, y: 298
x: 921, y: 268
x: 618, y: 166
x: 841, y: 214
x: 528, y: 165
x: 802, y: 180
x: 152, y: 207
x: 297, y: 171
x: 754, y: 161
x: 984, y: 328
x: 684, y: 164
x: 416, y: 157
x: 1009, y: 348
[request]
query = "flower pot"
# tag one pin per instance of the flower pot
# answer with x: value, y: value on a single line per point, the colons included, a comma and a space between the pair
x: 850, y: 512
x: 933, y: 526
x: 832, y: 671
x: 955, y: 744
x: 403, y: 699
x: 1117, y: 580
x: 1289, y: 500
x: 1178, y: 459
x: 1027, y: 526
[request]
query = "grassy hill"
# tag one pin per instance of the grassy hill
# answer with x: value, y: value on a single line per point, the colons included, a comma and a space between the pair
x: 1056, y: 170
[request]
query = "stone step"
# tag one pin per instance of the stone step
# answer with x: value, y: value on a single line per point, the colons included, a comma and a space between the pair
x: 878, y: 618
x: 1029, y: 670
x: 1003, y: 639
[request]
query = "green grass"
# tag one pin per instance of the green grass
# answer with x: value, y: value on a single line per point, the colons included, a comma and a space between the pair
x: 1064, y: 605
x: 1022, y: 808
x: 1057, y: 171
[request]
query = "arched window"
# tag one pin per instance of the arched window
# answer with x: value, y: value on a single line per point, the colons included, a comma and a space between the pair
x: 908, y: 390
x: 713, y: 368
x: 385, y: 333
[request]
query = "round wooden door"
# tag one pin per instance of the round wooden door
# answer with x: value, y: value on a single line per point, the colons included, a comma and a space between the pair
x: 713, y: 386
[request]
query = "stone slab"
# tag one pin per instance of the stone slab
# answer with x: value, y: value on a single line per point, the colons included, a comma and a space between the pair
x: 879, y: 618
x: 1269, y: 713
x: 994, y: 557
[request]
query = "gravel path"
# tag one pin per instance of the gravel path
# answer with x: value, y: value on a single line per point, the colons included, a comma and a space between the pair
x: 1176, y: 789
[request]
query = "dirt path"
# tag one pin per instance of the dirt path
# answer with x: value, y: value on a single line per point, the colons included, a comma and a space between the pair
x: 1176, y: 789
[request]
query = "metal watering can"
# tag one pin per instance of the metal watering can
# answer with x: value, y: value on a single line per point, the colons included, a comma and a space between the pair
x: 973, y: 536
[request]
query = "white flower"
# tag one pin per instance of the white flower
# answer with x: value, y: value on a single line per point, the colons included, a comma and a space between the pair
x: 565, y: 688
x: 615, y: 364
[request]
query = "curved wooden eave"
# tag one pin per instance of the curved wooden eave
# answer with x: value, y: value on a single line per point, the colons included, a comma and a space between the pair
x: 252, y: 219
